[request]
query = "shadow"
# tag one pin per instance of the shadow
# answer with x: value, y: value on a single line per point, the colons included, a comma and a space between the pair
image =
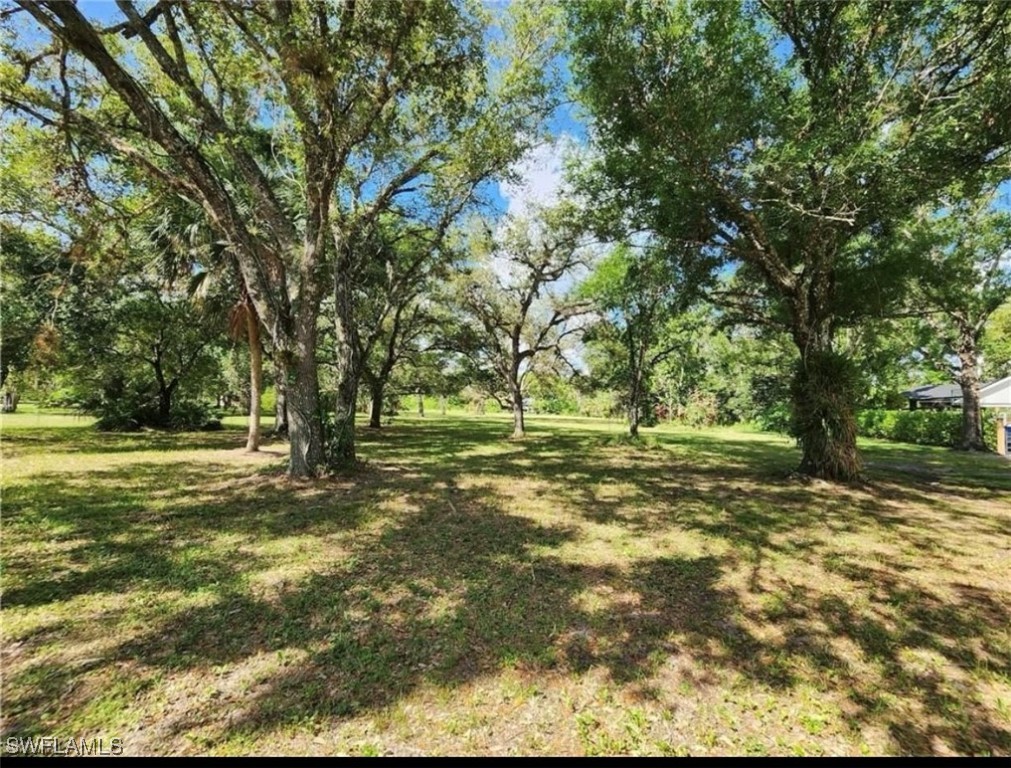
x: 690, y: 561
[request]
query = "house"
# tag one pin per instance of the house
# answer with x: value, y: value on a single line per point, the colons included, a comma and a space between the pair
x: 934, y: 396
x: 995, y: 394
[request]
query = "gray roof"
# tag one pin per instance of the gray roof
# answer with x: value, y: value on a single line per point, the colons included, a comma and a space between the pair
x: 935, y: 392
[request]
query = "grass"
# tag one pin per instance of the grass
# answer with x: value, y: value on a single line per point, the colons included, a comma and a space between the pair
x: 571, y: 593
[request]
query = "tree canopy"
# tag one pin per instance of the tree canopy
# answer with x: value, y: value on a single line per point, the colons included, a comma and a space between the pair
x: 785, y: 137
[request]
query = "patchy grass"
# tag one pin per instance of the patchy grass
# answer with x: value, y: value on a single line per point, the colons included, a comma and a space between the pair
x: 462, y: 593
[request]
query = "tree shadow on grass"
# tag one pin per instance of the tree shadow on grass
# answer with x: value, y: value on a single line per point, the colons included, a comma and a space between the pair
x: 420, y: 581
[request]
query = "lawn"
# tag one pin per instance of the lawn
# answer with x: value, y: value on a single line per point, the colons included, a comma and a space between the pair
x: 462, y: 593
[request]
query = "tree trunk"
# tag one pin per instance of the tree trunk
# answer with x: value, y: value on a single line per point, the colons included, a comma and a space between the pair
x: 421, y: 404
x: 376, y: 408
x: 636, y: 371
x: 442, y: 405
x: 281, y: 402
x: 305, y: 424
x: 968, y: 380
x: 517, y: 398
x: 633, y: 409
x: 164, y: 391
x: 164, y: 405
x: 824, y: 422
x: 255, y: 379
x: 342, y: 445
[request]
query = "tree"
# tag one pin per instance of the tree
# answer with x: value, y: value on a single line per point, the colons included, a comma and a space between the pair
x: 395, y: 313
x: 789, y: 138
x: 81, y: 258
x: 190, y: 253
x: 33, y: 270
x: 512, y: 311
x: 363, y: 106
x: 637, y: 292
x: 968, y: 248
x: 136, y: 351
x: 38, y: 271
x: 153, y: 352
x: 996, y: 343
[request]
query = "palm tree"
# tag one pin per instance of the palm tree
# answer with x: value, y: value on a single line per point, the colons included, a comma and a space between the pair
x: 186, y: 247
x: 243, y: 321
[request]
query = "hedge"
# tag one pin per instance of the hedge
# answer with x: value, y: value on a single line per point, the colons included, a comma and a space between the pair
x: 923, y: 427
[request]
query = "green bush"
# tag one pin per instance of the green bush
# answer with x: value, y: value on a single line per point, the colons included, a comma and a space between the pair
x: 122, y: 407
x: 268, y: 400
x: 924, y: 427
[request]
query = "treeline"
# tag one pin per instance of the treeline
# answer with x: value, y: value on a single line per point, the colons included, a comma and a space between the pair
x: 781, y: 213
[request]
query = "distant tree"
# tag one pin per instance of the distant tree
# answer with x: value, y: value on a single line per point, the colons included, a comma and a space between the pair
x: 147, y: 362
x: 637, y: 292
x: 968, y: 278
x: 35, y: 270
x: 553, y: 392
x: 996, y: 343
x: 396, y: 312
x: 789, y: 138
x: 513, y: 309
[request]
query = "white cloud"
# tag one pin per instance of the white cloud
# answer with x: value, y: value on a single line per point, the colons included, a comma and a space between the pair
x: 540, y: 177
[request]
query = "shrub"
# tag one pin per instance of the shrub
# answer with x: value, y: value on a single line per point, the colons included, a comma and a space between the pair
x: 268, y: 400
x: 124, y: 409
x: 774, y: 418
x: 701, y: 410
x: 924, y: 427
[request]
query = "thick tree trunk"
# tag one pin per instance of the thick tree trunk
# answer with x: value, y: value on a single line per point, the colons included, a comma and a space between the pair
x: 305, y: 424
x: 519, y: 429
x: 281, y: 402
x: 633, y: 394
x: 824, y: 420
x: 10, y: 402
x: 635, y: 404
x: 376, y: 407
x: 164, y: 405
x: 342, y: 444
x: 968, y: 380
x: 255, y: 379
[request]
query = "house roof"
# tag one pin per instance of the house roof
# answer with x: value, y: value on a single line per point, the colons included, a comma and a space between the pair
x: 949, y: 392
x: 927, y: 392
x: 985, y: 388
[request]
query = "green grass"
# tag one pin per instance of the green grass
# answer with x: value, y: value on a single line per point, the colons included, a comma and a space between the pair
x: 31, y: 416
x: 572, y: 592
